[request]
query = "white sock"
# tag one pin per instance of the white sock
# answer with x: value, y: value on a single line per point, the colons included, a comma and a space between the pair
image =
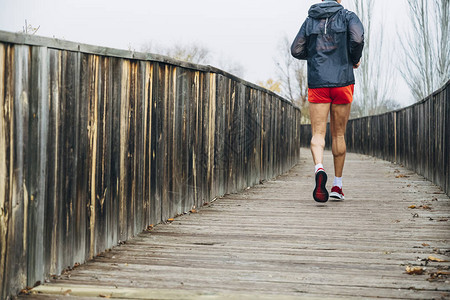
x: 338, y: 182
x: 317, y: 167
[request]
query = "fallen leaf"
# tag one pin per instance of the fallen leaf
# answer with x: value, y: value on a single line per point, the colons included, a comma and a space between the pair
x: 432, y: 258
x: 67, y: 292
x: 104, y: 296
x: 437, y: 275
x: 425, y: 244
x: 400, y: 176
x: 440, y: 272
x: 425, y: 207
x: 414, y: 270
x: 25, y: 292
x: 443, y: 220
x: 170, y: 220
x: 412, y: 206
x: 193, y: 211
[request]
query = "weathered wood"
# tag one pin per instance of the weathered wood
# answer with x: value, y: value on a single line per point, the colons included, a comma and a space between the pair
x: 95, y: 147
x: 273, y: 239
x: 16, y: 240
x: 4, y: 163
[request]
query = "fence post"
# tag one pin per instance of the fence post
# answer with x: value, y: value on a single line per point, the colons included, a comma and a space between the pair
x: 395, y: 137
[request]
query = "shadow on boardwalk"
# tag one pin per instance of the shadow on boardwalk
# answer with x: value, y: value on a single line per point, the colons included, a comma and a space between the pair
x: 273, y: 241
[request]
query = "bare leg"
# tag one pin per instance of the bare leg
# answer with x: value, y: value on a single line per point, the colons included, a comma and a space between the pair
x: 319, y: 116
x: 338, y: 123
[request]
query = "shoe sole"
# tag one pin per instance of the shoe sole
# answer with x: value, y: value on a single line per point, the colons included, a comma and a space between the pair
x: 337, y: 196
x: 320, y: 193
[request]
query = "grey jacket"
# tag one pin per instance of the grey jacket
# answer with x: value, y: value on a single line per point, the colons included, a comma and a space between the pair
x: 331, y: 40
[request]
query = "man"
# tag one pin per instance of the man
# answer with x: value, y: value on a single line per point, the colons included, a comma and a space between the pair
x: 331, y: 40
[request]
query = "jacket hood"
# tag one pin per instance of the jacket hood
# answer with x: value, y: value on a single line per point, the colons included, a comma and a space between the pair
x: 324, y: 9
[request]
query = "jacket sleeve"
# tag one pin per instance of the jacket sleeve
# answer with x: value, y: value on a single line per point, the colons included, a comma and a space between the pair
x: 298, y: 48
x: 356, y: 38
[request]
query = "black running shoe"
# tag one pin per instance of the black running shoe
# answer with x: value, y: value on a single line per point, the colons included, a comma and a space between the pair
x: 320, y: 192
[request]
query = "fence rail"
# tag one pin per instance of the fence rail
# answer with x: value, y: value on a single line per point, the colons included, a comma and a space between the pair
x: 96, y: 144
x: 416, y: 137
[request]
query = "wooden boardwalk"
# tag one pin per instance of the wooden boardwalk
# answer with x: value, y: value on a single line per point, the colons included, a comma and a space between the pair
x: 274, y: 242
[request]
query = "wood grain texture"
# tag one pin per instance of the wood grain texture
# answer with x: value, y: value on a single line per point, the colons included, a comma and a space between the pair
x: 273, y: 240
x: 95, y: 148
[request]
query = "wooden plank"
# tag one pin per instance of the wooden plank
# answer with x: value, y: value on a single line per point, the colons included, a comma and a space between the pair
x: 38, y: 165
x: 140, y: 293
x: 210, y: 136
x: 124, y: 181
x: 17, y: 103
x: 81, y: 207
x: 4, y: 168
x: 7, y: 74
x: 116, y: 158
x: 156, y: 146
x: 147, y: 85
x: 445, y: 98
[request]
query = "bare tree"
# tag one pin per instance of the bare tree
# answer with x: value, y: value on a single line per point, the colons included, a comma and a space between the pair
x: 229, y: 65
x: 293, y: 77
x: 196, y: 54
x: 271, y: 85
x: 375, y: 77
x: 427, y: 47
x: 443, y: 13
x: 190, y: 53
x: 29, y: 29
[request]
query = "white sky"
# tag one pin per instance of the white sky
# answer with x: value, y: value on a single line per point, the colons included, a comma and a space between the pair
x: 244, y: 31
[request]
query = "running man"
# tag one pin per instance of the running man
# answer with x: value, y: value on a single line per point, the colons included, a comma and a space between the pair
x: 331, y: 40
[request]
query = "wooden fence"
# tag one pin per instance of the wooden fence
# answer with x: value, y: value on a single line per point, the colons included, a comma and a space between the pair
x: 416, y: 137
x: 96, y: 144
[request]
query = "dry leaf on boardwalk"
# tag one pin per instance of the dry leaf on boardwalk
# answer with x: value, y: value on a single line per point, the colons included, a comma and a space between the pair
x: 412, y: 206
x: 432, y: 258
x: 425, y: 244
x: 104, y: 296
x: 439, y: 275
x: 414, y: 270
x: 25, y: 291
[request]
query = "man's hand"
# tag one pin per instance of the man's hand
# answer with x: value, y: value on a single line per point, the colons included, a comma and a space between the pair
x: 357, y: 65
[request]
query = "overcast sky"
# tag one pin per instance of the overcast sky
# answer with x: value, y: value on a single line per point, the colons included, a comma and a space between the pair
x: 246, y: 32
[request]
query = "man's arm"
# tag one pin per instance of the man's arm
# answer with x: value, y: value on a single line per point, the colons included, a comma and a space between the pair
x: 298, y: 48
x: 356, y: 33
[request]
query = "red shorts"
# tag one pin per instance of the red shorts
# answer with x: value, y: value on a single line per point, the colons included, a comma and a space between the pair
x: 338, y: 95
